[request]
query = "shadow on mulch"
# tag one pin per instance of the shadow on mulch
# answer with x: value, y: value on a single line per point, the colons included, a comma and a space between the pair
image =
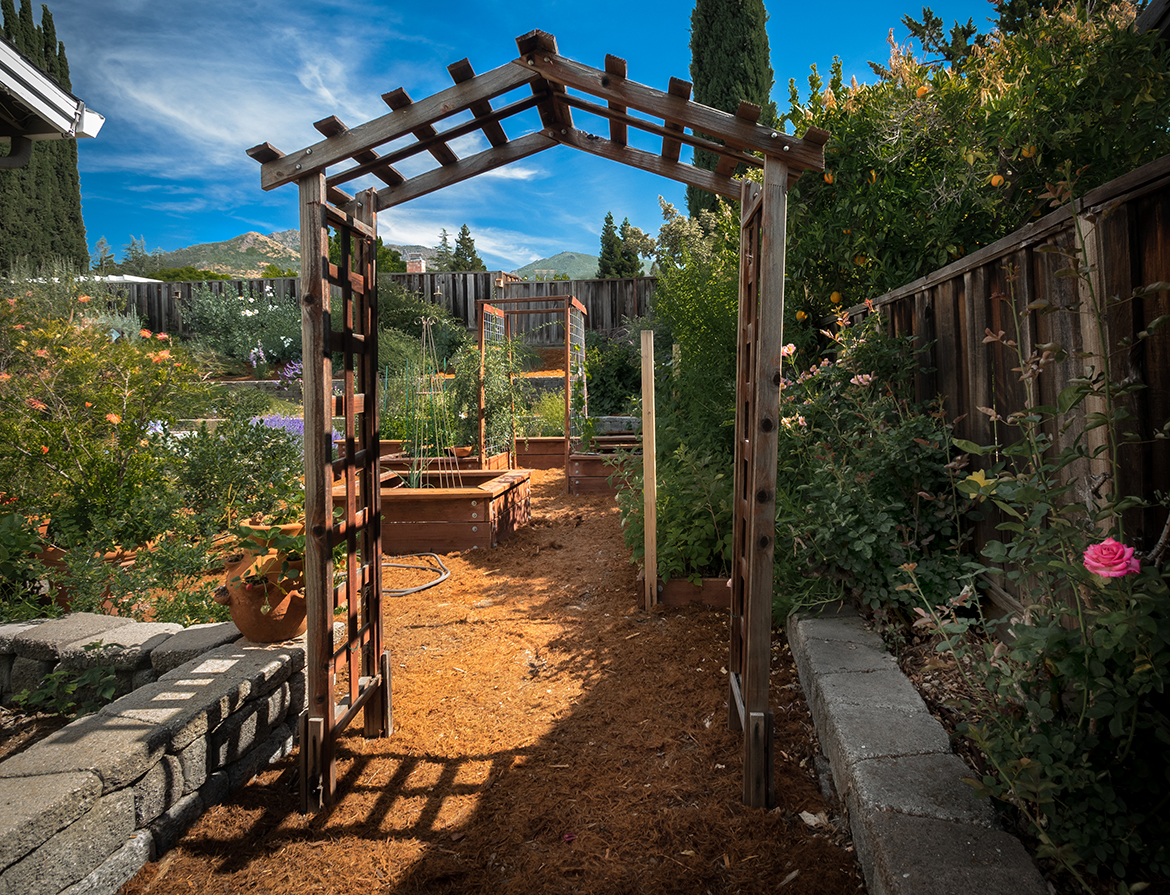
x: 550, y: 737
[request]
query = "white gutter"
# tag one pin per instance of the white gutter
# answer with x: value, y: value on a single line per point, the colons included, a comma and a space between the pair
x: 33, y: 106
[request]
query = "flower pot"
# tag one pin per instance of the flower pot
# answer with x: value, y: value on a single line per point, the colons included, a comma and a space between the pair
x: 266, y: 610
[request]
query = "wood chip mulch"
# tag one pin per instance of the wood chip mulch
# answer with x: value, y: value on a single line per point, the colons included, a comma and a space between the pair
x: 550, y: 736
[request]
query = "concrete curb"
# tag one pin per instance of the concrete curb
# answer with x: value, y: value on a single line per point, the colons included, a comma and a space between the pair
x: 917, y: 828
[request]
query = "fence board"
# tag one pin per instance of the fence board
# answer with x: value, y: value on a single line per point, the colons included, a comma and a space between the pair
x: 1126, y: 224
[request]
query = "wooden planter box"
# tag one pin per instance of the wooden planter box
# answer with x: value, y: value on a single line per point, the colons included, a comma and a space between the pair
x: 589, y: 473
x: 541, y: 453
x: 404, y: 464
x: 488, y: 507
x: 680, y: 591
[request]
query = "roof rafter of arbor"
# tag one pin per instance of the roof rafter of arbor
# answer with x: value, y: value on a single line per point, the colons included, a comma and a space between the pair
x: 352, y: 152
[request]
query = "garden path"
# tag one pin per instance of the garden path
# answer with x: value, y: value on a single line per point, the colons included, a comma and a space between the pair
x: 550, y: 737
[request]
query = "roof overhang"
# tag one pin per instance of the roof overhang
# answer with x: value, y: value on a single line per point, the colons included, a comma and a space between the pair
x: 32, y: 106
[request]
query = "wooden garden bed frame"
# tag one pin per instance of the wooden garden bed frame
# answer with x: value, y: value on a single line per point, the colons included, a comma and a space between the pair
x: 554, y: 86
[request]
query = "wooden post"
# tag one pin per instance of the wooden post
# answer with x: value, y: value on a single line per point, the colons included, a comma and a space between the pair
x: 649, y: 469
x: 316, y: 755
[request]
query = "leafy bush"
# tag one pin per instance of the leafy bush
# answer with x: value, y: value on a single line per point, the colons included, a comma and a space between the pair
x: 938, y: 158
x: 258, y: 330
x: 614, y: 372
x: 404, y: 311
x: 507, y: 394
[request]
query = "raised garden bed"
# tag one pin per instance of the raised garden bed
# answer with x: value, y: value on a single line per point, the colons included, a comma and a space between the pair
x: 485, y: 508
x: 589, y: 473
x: 541, y: 453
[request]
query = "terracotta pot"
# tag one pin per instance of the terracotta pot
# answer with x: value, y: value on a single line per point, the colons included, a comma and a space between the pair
x: 460, y: 452
x: 265, y: 611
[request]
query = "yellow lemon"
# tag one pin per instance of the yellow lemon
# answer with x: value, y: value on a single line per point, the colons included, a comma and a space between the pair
x: 835, y: 298
x: 923, y: 90
x: 1028, y: 151
x: 801, y: 315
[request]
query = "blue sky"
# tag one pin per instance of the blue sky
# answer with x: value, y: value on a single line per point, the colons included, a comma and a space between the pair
x: 186, y: 87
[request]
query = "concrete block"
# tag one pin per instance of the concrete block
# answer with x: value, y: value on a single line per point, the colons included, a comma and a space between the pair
x: 194, y: 764
x: 173, y: 822
x: 76, y: 851
x: 46, y: 641
x: 28, y: 674
x: 6, y: 660
x: 280, y: 744
x: 124, y: 648
x: 853, y: 733
x: 845, y: 625
x: 9, y: 631
x: 118, y: 869
x: 158, y: 790
x: 921, y: 785
x: 927, y: 856
x: 215, y: 789
x: 197, y: 697
x: 142, y: 677
x: 298, y: 692
x: 34, y: 810
x: 190, y: 643
x: 837, y: 656
x: 117, y: 750
x: 247, y: 727
x: 883, y: 689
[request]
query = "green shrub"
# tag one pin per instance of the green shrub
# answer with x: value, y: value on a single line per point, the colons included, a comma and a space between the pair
x: 262, y: 331
x: 613, y: 368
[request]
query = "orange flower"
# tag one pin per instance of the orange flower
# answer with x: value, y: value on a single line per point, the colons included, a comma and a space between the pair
x: 34, y: 403
x: 159, y: 356
x: 88, y: 404
x: 84, y: 298
x: 145, y: 333
x: 42, y: 352
x: 4, y: 377
x: 114, y: 418
x: 162, y: 337
x: 801, y: 315
x: 44, y: 449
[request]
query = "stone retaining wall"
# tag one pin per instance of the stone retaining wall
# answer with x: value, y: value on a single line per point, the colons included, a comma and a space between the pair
x: 84, y: 809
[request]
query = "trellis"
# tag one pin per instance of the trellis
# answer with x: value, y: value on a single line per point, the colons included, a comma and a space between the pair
x: 572, y: 318
x: 556, y: 87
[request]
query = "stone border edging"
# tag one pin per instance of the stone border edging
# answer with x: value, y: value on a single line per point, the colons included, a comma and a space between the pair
x: 917, y: 828
x: 84, y: 809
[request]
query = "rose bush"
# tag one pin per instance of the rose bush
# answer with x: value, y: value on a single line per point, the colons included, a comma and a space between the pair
x: 1110, y: 559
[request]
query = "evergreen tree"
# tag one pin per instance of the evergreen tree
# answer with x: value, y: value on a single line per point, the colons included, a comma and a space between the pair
x: 609, y: 262
x: 40, y: 204
x: 630, y: 264
x: 105, y: 262
x: 389, y: 259
x: 465, y: 256
x: 444, y: 257
x: 729, y: 63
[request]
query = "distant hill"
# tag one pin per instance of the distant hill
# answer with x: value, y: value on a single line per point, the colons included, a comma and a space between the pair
x: 577, y: 265
x: 292, y: 239
x: 243, y: 256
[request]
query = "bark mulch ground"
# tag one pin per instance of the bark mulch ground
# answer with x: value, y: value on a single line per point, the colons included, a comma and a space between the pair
x: 550, y: 736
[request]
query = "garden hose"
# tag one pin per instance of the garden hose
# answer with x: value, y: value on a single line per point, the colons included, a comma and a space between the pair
x: 443, y: 572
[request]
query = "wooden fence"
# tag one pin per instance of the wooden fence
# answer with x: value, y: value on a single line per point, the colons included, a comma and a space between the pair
x: 606, y: 302
x: 1124, y: 227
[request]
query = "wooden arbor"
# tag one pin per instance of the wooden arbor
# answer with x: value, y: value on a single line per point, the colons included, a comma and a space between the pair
x: 556, y: 87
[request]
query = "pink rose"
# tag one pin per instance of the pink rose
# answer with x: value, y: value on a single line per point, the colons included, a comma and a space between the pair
x: 1110, y: 559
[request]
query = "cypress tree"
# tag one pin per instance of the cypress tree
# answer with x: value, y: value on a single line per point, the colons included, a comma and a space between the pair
x: 443, y: 258
x: 610, y: 259
x: 40, y: 204
x: 729, y: 62
x: 630, y: 264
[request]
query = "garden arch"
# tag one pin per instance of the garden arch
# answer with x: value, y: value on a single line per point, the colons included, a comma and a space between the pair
x: 555, y: 87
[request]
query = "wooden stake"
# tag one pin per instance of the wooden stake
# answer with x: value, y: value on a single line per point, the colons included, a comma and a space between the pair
x: 649, y: 469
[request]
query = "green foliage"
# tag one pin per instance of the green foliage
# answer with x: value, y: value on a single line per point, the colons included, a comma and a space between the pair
x: 62, y: 687
x: 862, y: 484
x: 240, y: 468
x: 444, y: 257
x: 388, y: 259
x: 547, y: 415
x: 40, y: 203
x: 272, y: 271
x: 465, y: 257
x: 936, y: 159
x: 234, y: 326
x: 730, y: 61
x: 610, y: 257
x: 507, y: 394
x: 1075, y: 738
x: 77, y: 405
x: 614, y: 373
x: 20, y: 571
x: 403, y: 312
x: 189, y: 274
